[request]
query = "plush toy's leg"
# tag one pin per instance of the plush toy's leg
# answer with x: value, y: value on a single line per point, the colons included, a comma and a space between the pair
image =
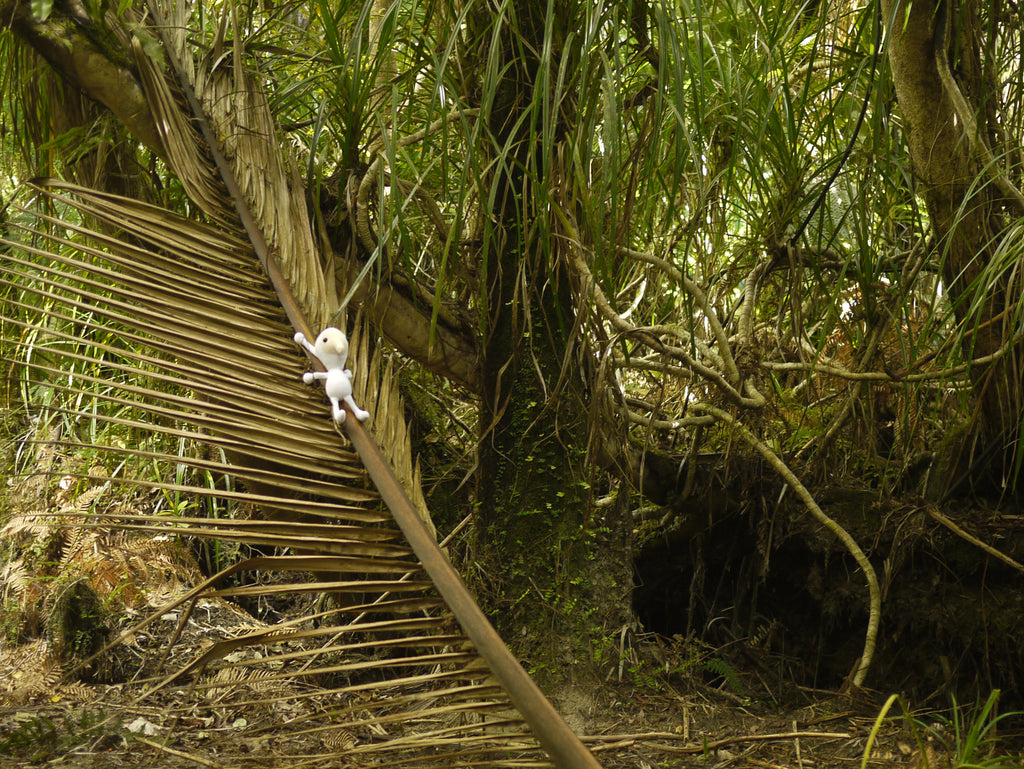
x: 361, y: 415
x: 338, y: 411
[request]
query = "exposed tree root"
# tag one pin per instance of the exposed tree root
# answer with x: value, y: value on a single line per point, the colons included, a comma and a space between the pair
x: 874, y: 594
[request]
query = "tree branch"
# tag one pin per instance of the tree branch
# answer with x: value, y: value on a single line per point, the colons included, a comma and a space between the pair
x: 968, y: 120
x: 77, y: 57
x: 753, y: 399
x: 452, y: 353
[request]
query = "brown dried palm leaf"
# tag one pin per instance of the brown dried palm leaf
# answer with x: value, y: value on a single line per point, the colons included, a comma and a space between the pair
x: 247, y: 180
x: 150, y: 334
x: 235, y: 111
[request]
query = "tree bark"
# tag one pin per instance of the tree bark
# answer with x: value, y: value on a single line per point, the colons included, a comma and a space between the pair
x: 66, y: 44
x: 965, y: 207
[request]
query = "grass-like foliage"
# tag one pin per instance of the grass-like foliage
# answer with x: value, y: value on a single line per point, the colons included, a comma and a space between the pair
x: 970, y: 735
x: 964, y: 738
x: 699, y: 224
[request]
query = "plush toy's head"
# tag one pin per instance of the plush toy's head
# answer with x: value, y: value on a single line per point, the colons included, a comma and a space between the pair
x: 332, y: 348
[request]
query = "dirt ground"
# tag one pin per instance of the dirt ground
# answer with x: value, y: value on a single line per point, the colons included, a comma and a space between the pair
x: 630, y: 729
x: 666, y: 721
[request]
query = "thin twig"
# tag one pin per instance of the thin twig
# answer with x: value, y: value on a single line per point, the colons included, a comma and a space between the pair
x: 667, y: 424
x: 178, y: 753
x: 752, y: 399
x: 883, y: 376
x: 832, y: 430
x: 677, y: 275
x: 973, y: 540
x: 715, y: 744
x: 452, y: 117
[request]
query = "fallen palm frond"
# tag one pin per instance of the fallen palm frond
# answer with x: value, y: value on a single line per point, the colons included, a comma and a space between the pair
x: 148, y: 337
x: 181, y: 343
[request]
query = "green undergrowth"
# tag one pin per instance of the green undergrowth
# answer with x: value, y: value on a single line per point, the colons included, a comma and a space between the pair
x: 964, y: 737
x: 45, y: 739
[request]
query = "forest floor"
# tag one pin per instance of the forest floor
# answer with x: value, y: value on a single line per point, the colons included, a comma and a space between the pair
x: 629, y: 729
x: 661, y: 722
x: 657, y: 702
x: 699, y: 726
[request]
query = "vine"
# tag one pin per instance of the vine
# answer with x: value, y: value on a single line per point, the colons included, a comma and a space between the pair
x: 874, y: 593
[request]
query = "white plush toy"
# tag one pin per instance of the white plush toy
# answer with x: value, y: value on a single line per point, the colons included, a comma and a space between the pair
x: 332, y: 350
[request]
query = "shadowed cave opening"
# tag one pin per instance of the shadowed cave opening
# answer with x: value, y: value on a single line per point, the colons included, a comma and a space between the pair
x: 792, y: 607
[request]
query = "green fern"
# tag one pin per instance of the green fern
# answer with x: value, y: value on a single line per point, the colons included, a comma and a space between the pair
x: 720, y: 667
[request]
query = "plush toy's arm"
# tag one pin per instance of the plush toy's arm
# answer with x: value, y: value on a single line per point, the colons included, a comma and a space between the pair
x: 300, y: 338
x: 310, y: 376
